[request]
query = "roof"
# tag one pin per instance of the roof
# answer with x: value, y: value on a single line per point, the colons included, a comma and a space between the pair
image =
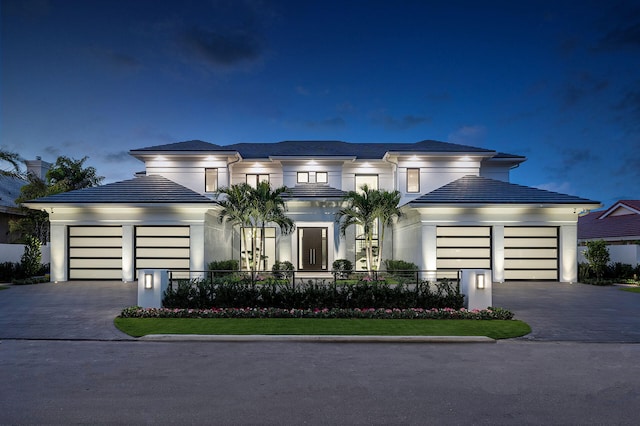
x: 10, y: 190
x: 602, y: 225
x: 482, y: 190
x: 145, y: 189
x: 317, y: 148
x: 313, y: 190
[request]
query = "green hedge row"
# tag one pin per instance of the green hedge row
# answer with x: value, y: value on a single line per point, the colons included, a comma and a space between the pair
x: 228, y: 293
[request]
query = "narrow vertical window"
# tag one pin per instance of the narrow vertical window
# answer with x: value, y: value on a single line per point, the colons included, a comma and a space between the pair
x: 303, y: 177
x: 210, y: 180
x: 413, y: 180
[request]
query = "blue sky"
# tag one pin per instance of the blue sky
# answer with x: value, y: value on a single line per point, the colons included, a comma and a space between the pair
x: 555, y: 81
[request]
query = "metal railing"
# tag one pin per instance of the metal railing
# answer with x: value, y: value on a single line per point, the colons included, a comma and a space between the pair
x: 293, y: 278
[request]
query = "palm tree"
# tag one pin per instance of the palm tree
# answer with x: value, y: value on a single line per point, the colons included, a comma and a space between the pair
x: 361, y: 210
x: 236, y: 209
x: 252, y: 209
x: 270, y: 208
x: 14, y: 161
x: 387, y: 209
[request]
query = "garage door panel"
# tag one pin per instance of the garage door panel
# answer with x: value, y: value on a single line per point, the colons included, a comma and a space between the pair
x: 515, y: 274
x: 531, y: 253
x: 162, y: 242
x: 463, y: 247
x: 463, y: 231
x: 463, y: 253
x: 536, y: 253
x: 162, y: 247
x: 95, y: 263
x: 463, y: 242
x: 95, y: 252
x: 464, y: 264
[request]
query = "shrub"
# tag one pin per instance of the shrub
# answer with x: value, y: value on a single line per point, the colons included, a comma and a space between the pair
x: 233, y: 292
x: 283, y: 270
x: 597, y: 255
x: 342, y: 268
x: 224, y: 265
x: 30, y: 261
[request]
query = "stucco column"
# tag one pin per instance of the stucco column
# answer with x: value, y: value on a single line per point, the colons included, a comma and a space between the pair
x: 196, y: 250
x: 497, y: 254
x: 59, y: 240
x: 568, y: 255
x: 429, y: 249
x: 128, y: 253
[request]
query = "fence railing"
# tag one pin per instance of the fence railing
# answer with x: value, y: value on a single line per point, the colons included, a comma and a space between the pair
x: 293, y: 278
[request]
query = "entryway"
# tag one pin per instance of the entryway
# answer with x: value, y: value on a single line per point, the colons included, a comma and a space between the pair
x: 312, y: 249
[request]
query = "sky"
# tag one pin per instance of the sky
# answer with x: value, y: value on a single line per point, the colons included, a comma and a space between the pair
x: 555, y: 81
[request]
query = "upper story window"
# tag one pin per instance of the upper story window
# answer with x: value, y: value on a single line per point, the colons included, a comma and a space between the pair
x: 413, y: 180
x: 322, y: 177
x: 254, y: 179
x: 303, y: 177
x: 370, y: 180
x: 210, y: 180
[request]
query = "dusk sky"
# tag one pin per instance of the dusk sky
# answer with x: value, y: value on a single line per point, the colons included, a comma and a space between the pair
x: 555, y: 81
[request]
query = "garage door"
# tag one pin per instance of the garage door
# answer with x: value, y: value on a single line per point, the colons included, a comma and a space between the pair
x: 95, y: 252
x: 462, y: 247
x: 162, y: 247
x: 531, y: 253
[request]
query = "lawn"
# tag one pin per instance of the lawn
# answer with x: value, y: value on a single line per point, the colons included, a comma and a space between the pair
x: 496, y: 329
x: 631, y: 289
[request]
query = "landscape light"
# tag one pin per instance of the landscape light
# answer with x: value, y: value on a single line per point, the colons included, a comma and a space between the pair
x: 148, y: 281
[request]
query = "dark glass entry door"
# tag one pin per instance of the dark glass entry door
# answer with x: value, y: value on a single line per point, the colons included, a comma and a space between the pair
x: 312, y: 249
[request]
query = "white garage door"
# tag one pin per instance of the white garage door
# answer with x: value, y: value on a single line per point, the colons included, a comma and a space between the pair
x: 95, y: 252
x: 162, y: 247
x: 462, y: 247
x: 531, y: 253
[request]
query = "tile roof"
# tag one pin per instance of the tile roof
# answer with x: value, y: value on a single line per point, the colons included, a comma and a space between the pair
x: 10, y: 190
x: 312, y: 190
x: 145, y: 189
x: 317, y: 148
x: 596, y: 225
x: 481, y: 190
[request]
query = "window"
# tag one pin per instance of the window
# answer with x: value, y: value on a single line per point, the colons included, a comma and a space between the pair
x: 370, y: 180
x: 413, y: 180
x: 303, y: 177
x: 265, y: 248
x: 321, y: 177
x: 210, y: 180
x: 254, y: 179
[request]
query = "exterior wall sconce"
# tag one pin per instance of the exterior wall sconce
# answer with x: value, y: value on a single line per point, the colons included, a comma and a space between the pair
x: 480, y: 281
x: 148, y: 281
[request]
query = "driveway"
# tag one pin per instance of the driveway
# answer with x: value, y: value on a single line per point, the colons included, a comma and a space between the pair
x: 572, y: 312
x: 75, y: 310
x: 82, y: 310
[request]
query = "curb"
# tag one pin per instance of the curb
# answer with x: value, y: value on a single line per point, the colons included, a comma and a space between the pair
x: 313, y: 339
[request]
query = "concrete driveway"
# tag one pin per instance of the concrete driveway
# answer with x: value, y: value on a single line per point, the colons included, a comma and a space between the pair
x: 82, y: 310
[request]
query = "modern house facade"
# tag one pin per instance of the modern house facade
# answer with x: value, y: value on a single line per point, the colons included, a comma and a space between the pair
x: 459, y: 211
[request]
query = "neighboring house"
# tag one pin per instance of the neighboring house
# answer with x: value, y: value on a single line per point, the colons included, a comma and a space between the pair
x: 460, y: 211
x: 9, y: 191
x: 618, y: 226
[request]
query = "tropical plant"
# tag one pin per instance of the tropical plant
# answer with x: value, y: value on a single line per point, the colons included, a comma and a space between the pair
x: 30, y: 261
x: 13, y: 160
x: 597, y: 255
x: 369, y: 208
x: 252, y: 209
x: 69, y: 174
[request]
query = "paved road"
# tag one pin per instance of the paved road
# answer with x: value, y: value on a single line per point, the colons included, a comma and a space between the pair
x: 63, y: 362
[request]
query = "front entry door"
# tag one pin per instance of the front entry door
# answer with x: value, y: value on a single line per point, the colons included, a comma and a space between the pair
x: 312, y: 249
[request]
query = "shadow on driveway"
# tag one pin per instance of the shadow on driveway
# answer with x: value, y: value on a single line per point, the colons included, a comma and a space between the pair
x: 572, y: 312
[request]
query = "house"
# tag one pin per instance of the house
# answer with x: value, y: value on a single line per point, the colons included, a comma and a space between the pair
x: 618, y: 226
x: 459, y: 211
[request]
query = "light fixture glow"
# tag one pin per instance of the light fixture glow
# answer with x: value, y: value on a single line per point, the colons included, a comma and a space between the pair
x: 148, y: 281
x: 480, y: 281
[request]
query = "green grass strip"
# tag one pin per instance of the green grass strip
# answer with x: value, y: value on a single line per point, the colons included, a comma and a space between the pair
x: 631, y: 289
x: 496, y: 329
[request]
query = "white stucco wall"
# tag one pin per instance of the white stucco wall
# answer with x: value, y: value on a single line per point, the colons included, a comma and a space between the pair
x: 628, y: 253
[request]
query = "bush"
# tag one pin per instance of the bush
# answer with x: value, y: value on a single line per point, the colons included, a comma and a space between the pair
x: 235, y: 292
x: 30, y: 261
x: 282, y: 270
x: 597, y: 255
x: 342, y: 268
x: 224, y: 265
